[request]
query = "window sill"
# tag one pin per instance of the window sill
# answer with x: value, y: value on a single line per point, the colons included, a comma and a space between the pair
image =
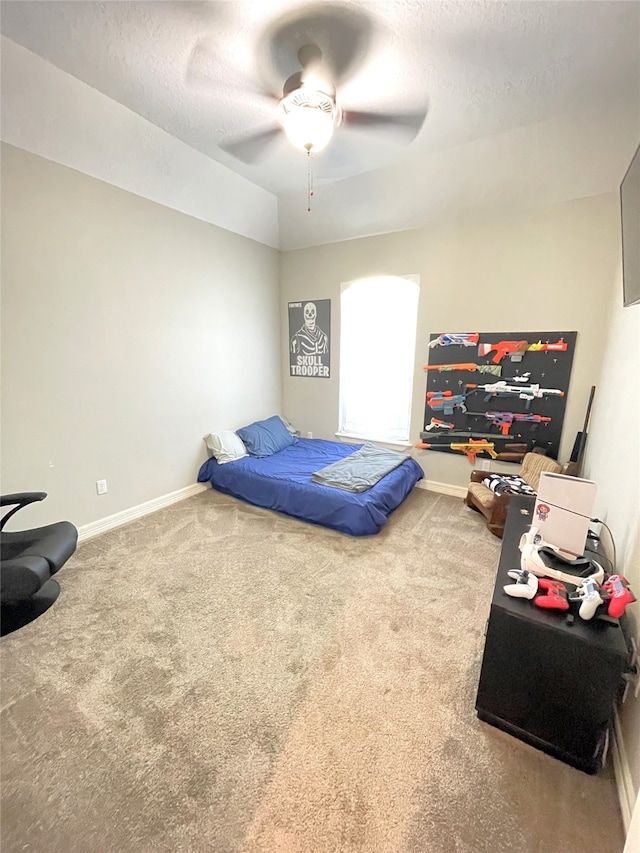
x: 360, y: 438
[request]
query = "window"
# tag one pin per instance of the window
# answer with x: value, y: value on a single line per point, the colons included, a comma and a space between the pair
x: 377, y: 357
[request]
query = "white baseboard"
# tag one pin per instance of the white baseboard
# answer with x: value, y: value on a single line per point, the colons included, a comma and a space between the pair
x: 624, y: 782
x: 87, y: 531
x: 442, y: 488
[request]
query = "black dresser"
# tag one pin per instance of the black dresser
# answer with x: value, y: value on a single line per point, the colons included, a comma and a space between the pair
x: 548, y: 682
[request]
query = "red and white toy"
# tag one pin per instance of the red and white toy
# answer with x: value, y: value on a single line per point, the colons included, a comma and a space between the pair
x: 553, y: 596
x: 618, y: 595
x: 588, y: 594
x: 525, y: 586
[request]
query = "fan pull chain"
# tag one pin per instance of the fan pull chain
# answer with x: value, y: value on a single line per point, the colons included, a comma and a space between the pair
x: 309, y: 180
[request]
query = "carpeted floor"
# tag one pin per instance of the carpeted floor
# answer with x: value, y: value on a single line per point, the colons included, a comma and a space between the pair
x: 216, y: 677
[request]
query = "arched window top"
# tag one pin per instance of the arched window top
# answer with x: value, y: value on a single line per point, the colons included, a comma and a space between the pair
x: 383, y: 287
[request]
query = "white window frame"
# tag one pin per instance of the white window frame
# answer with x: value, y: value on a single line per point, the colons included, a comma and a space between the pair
x: 379, y: 365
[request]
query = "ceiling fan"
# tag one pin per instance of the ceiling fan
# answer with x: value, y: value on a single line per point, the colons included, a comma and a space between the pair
x: 323, y: 44
x: 309, y: 113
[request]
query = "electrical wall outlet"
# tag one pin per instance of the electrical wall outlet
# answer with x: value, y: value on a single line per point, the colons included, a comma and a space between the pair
x: 484, y: 464
x: 101, y: 487
x: 309, y: 435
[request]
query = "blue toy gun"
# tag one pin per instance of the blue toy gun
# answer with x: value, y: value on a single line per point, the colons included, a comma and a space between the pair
x: 446, y: 401
x: 462, y: 339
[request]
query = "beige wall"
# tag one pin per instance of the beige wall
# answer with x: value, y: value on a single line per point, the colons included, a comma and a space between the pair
x: 128, y: 332
x: 551, y: 269
x: 613, y: 461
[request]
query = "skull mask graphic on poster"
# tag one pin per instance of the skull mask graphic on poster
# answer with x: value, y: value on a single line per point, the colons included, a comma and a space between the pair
x: 310, y: 338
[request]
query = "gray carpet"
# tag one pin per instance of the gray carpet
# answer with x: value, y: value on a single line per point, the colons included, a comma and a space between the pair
x: 217, y: 677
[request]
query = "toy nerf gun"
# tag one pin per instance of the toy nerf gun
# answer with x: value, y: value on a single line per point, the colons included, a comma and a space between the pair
x: 523, y: 392
x: 446, y: 401
x: 436, y: 423
x: 505, y: 419
x: 461, y: 339
x: 516, y: 349
x: 493, y: 369
x: 470, y: 448
x: 510, y: 453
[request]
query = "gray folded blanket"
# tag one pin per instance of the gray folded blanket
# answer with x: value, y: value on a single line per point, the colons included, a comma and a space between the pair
x: 361, y: 470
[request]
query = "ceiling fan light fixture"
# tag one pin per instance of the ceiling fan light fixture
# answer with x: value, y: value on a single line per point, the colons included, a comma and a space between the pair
x: 309, y: 117
x: 308, y: 128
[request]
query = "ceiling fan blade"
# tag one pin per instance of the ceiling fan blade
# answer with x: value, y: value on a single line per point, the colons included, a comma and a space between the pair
x: 339, y: 33
x: 200, y: 67
x: 202, y: 72
x: 249, y: 149
x: 409, y: 122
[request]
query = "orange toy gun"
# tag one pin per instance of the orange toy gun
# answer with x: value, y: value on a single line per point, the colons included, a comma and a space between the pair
x: 514, y: 349
x: 470, y: 448
x: 493, y: 369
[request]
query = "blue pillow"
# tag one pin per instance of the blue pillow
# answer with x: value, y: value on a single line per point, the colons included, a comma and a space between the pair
x: 263, y: 438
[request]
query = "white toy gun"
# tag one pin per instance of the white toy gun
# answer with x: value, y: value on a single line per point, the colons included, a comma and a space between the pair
x: 523, y: 392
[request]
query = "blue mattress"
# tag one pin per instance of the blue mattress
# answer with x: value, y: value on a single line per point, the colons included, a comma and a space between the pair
x: 283, y: 482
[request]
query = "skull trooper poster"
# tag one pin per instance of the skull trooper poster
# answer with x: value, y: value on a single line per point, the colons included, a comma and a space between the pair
x: 310, y: 338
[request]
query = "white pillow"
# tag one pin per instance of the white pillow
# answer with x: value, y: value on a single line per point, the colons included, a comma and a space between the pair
x: 225, y: 446
x: 289, y: 426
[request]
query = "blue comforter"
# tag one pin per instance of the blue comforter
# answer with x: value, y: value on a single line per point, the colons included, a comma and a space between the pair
x: 283, y: 482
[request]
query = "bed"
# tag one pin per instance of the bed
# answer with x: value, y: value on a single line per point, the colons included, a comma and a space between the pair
x: 282, y: 481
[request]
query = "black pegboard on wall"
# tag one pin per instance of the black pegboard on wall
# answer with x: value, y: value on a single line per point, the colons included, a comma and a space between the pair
x: 522, y: 353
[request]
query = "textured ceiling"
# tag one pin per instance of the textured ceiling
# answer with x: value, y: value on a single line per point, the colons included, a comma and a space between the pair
x: 200, y: 70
